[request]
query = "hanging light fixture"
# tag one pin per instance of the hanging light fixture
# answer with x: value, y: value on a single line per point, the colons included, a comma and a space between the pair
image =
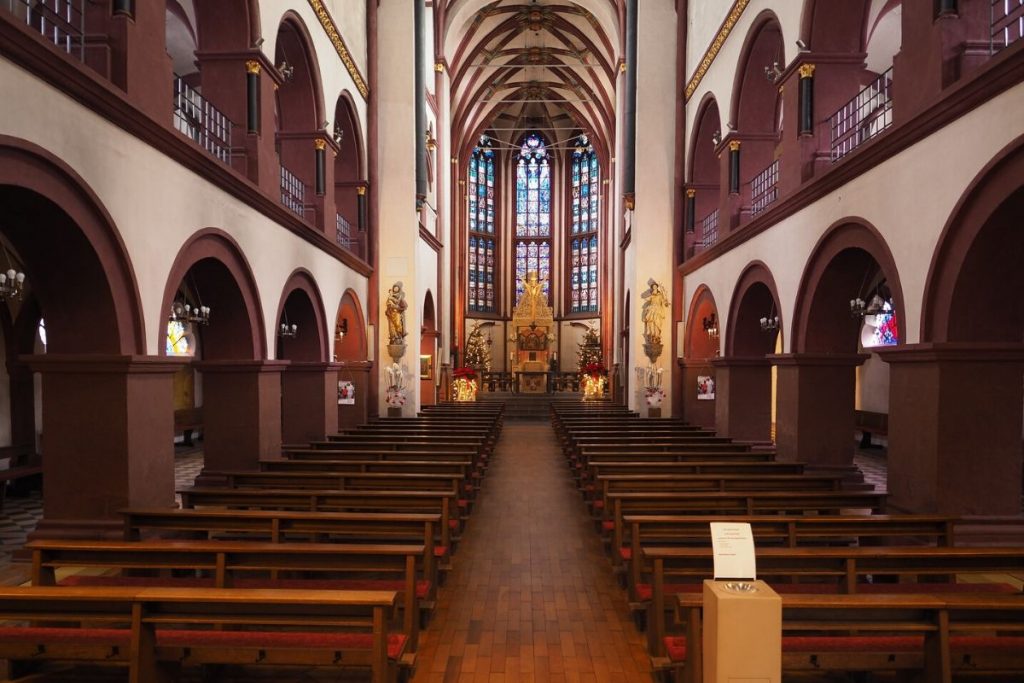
x: 716, y: 138
x: 12, y: 282
x: 859, y: 309
x: 286, y: 331
x: 772, y: 72
x: 711, y: 326
x: 341, y: 329
x: 770, y: 323
x: 184, y: 312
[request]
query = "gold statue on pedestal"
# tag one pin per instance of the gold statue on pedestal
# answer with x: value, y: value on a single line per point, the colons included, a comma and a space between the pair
x: 653, y: 315
x: 533, y: 325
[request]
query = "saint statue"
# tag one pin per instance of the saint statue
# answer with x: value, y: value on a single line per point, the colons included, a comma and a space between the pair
x: 394, y: 311
x: 653, y: 312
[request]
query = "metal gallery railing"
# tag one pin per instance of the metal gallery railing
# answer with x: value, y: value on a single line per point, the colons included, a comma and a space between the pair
x: 1007, y: 23
x: 709, y: 230
x: 863, y: 117
x: 62, y: 22
x: 204, y: 123
x: 293, y: 192
x: 764, y: 188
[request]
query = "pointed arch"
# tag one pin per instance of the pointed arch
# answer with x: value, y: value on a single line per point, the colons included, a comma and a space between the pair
x: 302, y: 304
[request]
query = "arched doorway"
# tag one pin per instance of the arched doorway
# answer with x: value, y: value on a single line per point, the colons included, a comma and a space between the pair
x: 308, y: 386
x: 105, y: 410
x: 238, y: 391
x: 429, y: 337
x: 960, y: 451
x: 850, y: 290
x: 700, y: 350
x: 745, y: 390
x: 350, y: 345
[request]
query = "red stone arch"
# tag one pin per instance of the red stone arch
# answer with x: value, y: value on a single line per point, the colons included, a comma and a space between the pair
x: 88, y: 283
x: 699, y: 346
x: 702, y: 161
x: 833, y: 27
x: 429, y: 338
x: 975, y: 278
x: 218, y: 269
x: 227, y: 25
x: 353, y: 346
x: 754, y: 297
x: 700, y: 350
x: 754, y: 97
x: 304, y: 306
x: 301, y: 98
x: 349, y: 168
x: 845, y: 260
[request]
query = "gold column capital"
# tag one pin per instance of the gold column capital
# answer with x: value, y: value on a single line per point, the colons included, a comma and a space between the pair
x: 320, y: 144
x: 806, y: 70
x: 252, y: 66
x: 691, y: 193
x: 360, y: 190
x: 734, y: 145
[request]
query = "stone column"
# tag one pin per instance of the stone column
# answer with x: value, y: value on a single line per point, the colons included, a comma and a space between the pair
x: 398, y: 224
x: 697, y: 412
x: 357, y: 372
x: 241, y: 412
x: 815, y: 407
x: 109, y: 439
x: 309, y: 401
x: 743, y: 393
x: 955, y: 428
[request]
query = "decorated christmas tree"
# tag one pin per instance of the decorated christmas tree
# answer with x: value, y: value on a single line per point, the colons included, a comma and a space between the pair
x: 478, y: 350
x: 588, y: 354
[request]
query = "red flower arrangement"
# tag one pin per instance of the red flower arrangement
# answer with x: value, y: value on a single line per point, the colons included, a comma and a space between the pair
x: 464, y: 373
x: 595, y: 370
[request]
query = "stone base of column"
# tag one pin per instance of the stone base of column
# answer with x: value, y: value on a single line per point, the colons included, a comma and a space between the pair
x: 955, y: 428
x: 241, y: 413
x: 309, y: 402
x: 814, y: 418
x: 743, y: 396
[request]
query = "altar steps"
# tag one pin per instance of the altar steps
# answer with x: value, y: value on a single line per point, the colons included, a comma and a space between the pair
x: 528, y: 406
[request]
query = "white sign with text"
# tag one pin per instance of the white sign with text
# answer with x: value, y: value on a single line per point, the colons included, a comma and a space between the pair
x: 733, y: 548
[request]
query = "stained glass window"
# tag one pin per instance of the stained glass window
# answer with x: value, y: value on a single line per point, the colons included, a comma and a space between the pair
x: 533, y: 212
x: 179, y: 339
x: 480, y: 190
x: 880, y: 329
x: 586, y: 190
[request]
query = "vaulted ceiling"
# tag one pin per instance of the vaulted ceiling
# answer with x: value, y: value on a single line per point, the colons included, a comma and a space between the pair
x: 525, y: 65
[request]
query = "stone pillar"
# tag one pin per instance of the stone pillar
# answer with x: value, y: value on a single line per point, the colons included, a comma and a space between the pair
x: 955, y: 428
x: 651, y: 218
x: 398, y: 222
x: 357, y: 372
x: 697, y: 412
x: 815, y: 407
x: 743, y: 394
x: 139, y: 63
x: 241, y: 412
x: 109, y: 423
x: 309, y: 402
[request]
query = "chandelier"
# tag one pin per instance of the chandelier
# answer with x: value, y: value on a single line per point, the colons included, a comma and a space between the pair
x: 341, y: 329
x: 859, y: 309
x: 770, y: 323
x: 11, y: 284
x: 288, y: 331
x: 711, y: 326
x: 184, y: 312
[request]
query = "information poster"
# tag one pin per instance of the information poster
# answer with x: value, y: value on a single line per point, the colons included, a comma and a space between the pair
x: 346, y: 393
x: 733, y: 548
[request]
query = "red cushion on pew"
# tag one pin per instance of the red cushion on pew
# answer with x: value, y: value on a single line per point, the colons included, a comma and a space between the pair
x: 66, y: 636
x: 207, y: 638
x: 463, y: 503
x: 440, y: 550
x: 422, y: 586
x: 626, y: 553
x: 599, y: 505
x: 675, y: 646
x: 852, y: 643
x: 158, y: 581
x: 608, y: 525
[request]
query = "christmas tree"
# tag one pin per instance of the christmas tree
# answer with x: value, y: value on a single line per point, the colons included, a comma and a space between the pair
x: 478, y: 350
x: 589, y: 352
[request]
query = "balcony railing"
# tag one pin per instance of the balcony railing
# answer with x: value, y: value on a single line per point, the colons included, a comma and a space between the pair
x: 863, y: 117
x: 709, y: 230
x: 764, y: 188
x: 204, y: 123
x: 1007, y: 19
x: 345, y: 236
x: 293, y: 192
x: 61, y: 22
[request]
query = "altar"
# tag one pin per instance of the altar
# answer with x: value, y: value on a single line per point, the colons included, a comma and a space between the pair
x: 533, y: 327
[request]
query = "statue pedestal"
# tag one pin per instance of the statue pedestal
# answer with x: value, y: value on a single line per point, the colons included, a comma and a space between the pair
x: 394, y: 412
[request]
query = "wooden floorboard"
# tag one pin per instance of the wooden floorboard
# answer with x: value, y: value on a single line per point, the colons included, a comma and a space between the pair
x: 532, y: 596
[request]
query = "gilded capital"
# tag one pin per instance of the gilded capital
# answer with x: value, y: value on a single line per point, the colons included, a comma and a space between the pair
x: 252, y: 66
x: 806, y: 70
x: 320, y: 144
x: 734, y: 145
x: 691, y: 193
x: 361, y: 190
x: 439, y: 67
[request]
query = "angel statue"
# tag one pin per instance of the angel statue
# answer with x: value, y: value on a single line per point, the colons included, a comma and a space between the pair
x: 533, y: 290
x: 395, y: 312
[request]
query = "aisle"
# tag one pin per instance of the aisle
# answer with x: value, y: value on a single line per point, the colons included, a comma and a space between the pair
x: 532, y: 596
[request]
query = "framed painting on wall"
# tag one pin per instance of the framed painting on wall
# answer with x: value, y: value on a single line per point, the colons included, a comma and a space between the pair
x: 426, y: 367
x: 705, y: 388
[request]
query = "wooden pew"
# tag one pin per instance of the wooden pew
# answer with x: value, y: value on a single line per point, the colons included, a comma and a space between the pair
x: 244, y: 564
x: 464, y: 467
x: 278, y: 526
x: 941, y: 636
x: 154, y: 632
x: 825, y: 569
x: 434, y: 502
x: 596, y: 468
x: 607, y: 484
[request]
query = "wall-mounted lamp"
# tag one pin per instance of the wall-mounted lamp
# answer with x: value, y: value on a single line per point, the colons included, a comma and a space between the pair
x: 772, y: 72
x: 801, y: 45
x: 286, y: 70
x: 341, y: 329
x: 716, y: 138
x: 711, y: 326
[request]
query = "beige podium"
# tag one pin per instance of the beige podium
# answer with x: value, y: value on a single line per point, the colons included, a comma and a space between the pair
x: 742, y: 639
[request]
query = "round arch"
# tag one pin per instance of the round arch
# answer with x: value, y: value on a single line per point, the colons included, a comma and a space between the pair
x: 352, y: 346
x: 847, y: 257
x: 86, y: 284
x: 698, y: 344
x: 706, y: 122
x: 834, y: 27
x: 301, y: 97
x: 977, y: 260
x: 752, y: 93
x: 754, y: 297
x: 303, y: 306
x: 221, y: 273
